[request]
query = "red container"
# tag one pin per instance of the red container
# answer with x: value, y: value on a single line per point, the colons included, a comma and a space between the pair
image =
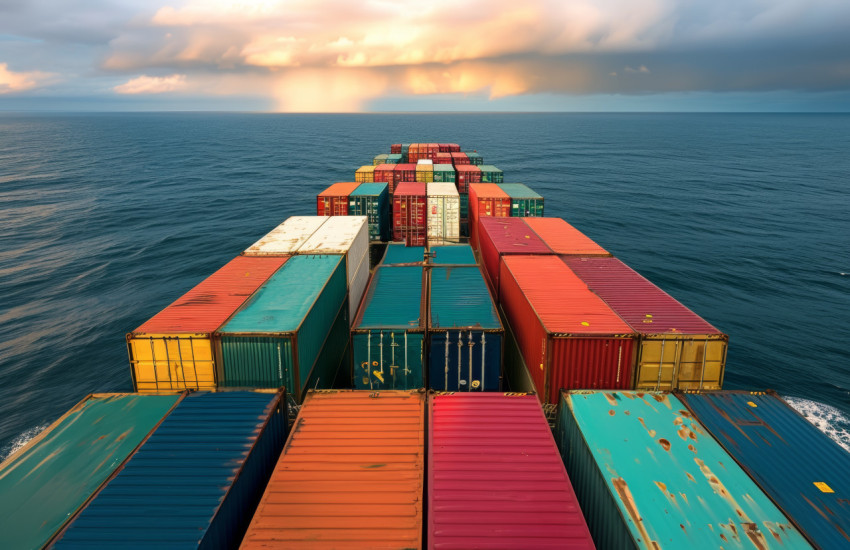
x: 502, y: 236
x: 445, y: 148
x: 333, y: 201
x: 485, y: 199
x: 404, y: 172
x: 563, y: 238
x: 459, y: 158
x: 496, y: 478
x: 410, y: 203
x: 395, y: 149
x: 443, y: 158
x: 466, y: 174
x: 385, y: 173
x: 454, y: 148
x: 569, y: 337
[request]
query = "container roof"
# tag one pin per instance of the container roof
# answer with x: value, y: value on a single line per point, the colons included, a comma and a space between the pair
x: 287, y: 237
x: 563, y: 238
x: 400, y: 254
x: 460, y: 299
x: 454, y: 254
x: 393, y: 299
x: 410, y: 188
x: 376, y: 188
x: 441, y: 188
x: 487, y: 191
x: 336, y: 236
x: 339, y: 189
x: 519, y: 191
x: 512, y: 236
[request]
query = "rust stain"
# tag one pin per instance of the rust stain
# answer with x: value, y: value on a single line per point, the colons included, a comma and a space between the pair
x: 755, y: 536
x: 628, y: 501
x: 686, y: 413
x: 611, y: 412
x: 678, y: 421
x: 611, y: 399
x: 692, y: 448
x: 373, y: 466
x: 684, y: 497
x: 691, y: 477
x: 722, y: 536
x: 683, y: 528
x: 664, y: 443
x: 821, y: 512
x: 642, y: 423
x: 627, y: 413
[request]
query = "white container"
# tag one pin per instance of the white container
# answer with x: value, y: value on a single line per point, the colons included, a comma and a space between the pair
x: 425, y: 161
x: 443, y: 217
x: 287, y: 237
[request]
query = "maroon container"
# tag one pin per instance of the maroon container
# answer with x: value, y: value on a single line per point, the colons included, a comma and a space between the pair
x: 466, y: 174
x: 459, y: 158
x: 410, y: 203
x: 502, y: 236
x: 443, y: 158
x: 395, y: 149
x: 404, y: 172
x: 385, y: 173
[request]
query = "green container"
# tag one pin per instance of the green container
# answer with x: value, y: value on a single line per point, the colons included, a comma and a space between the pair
x: 525, y: 202
x: 491, y: 174
x: 276, y: 339
x: 388, y: 338
x: 464, y: 207
x: 394, y: 159
x: 475, y: 159
x: 445, y: 173
x: 372, y: 200
x: 380, y: 159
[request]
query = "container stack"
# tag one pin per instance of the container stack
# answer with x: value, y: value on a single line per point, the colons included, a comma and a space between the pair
x: 425, y: 171
x: 373, y: 201
x: 365, y: 174
x: 443, y: 213
x: 333, y: 201
x: 524, y: 201
x: 491, y: 174
x: 409, y: 214
x: 485, y: 200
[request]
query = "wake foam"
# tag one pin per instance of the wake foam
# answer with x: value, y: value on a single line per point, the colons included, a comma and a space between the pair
x: 828, y: 419
x: 20, y: 441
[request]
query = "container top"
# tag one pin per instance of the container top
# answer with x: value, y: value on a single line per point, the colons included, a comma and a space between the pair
x: 441, y: 189
x: 287, y: 237
x: 382, y: 156
x: 500, y: 446
x: 800, y: 467
x: 487, y: 191
x: 561, y: 300
x: 336, y: 236
x: 467, y: 167
x: 674, y: 485
x: 169, y: 492
x: 423, y: 162
x: 351, y: 475
x: 489, y: 168
x: 339, y: 189
x: 208, y: 305
x: 400, y: 254
x: 460, y: 298
x: 452, y: 254
x: 458, y: 154
x: 519, y: 191
x: 408, y: 167
x: 563, y: 238
x: 644, y: 306
x: 366, y: 168
x: 393, y: 299
x: 370, y: 189
x: 512, y: 236
x: 414, y: 188
x: 281, y: 304
x: 47, y: 481
x: 385, y: 167
x: 444, y: 167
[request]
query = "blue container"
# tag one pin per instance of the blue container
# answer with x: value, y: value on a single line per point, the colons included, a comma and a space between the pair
x: 372, y: 200
x: 195, y: 482
x: 465, y: 334
x: 400, y: 254
x: 806, y: 473
x: 458, y: 254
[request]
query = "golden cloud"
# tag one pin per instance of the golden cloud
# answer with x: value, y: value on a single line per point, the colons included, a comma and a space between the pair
x: 152, y: 84
x: 11, y: 81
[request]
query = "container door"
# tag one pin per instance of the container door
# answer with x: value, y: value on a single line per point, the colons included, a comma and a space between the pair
x: 465, y: 360
x: 172, y: 363
x: 388, y: 360
x: 658, y: 361
x: 701, y: 365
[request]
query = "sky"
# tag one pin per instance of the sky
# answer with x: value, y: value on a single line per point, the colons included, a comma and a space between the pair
x: 439, y: 55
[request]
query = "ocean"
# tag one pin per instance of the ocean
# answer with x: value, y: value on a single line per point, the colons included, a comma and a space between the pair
x: 107, y: 218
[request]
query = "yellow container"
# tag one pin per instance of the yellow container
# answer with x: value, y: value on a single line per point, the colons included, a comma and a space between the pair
x: 171, y: 361
x: 365, y: 174
x: 683, y: 362
x: 425, y: 173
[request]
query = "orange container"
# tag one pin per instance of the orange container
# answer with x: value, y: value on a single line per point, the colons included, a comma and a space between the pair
x: 351, y: 475
x: 486, y: 199
x: 563, y: 238
x: 333, y: 201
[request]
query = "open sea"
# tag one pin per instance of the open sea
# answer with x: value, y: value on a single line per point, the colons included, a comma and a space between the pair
x: 107, y: 218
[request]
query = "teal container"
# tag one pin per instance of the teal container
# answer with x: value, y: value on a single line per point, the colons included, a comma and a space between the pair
x: 401, y: 254
x: 373, y: 201
x: 524, y: 201
x: 648, y: 475
x: 464, y: 207
x: 388, y: 338
x: 380, y: 159
x: 445, y: 173
x: 491, y: 174
x: 276, y: 339
x: 475, y: 158
x: 405, y: 152
x: 394, y: 159
x: 457, y: 254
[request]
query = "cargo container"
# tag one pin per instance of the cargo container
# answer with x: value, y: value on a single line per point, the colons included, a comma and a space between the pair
x: 351, y: 475
x: 802, y: 469
x: 388, y: 335
x: 677, y: 349
x: 495, y: 477
x: 647, y: 475
x: 287, y: 237
x: 456, y: 254
x: 475, y: 159
x: 466, y: 175
x: 373, y: 201
x: 380, y: 159
x: 410, y: 204
x: 348, y: 236
x: 569, y: 337
x: 504, y: 236
x: 385, y: 173
x: 444, y: 172
x: 277, y: 337
x: 404, y: 172
x: 425, y: 171
x: 194, y: 482
x: 459, y: 159
x: 395, y: 148
x: 516, y: 376
x: 405, y: 152
x: 465, y: 336
x: 491, y: 174
x: 485, y: 200
x: 365, y: 174
x: 524, y: 201
x: 400, y: 254
x: 174, y: 349
x: 45, y: 482
x: 443, y: 215
x: 443, y: 158
x: 394, y: 158
x: 333, y: 201
x: 563, y: 238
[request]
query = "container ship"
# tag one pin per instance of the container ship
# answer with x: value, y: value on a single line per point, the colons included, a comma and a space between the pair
x: 427, y: 362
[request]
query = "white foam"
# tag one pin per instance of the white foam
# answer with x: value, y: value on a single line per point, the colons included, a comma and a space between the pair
x: 20, y: 441
x: 826, y: 418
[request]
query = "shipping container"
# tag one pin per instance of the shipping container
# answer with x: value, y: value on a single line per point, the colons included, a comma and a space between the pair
x: 516, y: 376
x: 348, y: 236
x: 459, y: 159
x: 365, y: 174
x: 443, y: 158
x: 195, y: 481
x: 174, y: 349
x: 333, y: 201
x: 394, y: 158
x: 455, y: 254
x: 380, y: 159
x: 410, y: 203
x: 677, y: 349
x: 475, y: 159
x: 373, y: 201
x: 524, y: 201
x: 444, y: 172
x: 465, y: 336
x: 395, y: 148
x: 569, y: 337
x: 286, y: 238
x: 46, y: 481
x: 465, y: 175
x: 388, y: 335
x: 647, y: 475
x: 425, y: 171
x: 443, y: 215
x: 803, y: 470
x: 385, y: 173
x: 404, y: 172
x: 563, y: 238
x: 405, y: 152
x: 504, y: 236
x: 400, y: 254
x: 351, y: 475
x: 491, y: 174
x: 495, y: 477
x: 486, y: 200
x: 277, y: 337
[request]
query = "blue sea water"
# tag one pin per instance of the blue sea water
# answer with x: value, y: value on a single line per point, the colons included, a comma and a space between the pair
x: 107, y: 218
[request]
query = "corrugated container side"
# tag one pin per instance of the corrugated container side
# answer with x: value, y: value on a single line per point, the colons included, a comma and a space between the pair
x: 524, y: 201
x: 365, y: 174
x: 380, y: 159
x: 563, y: 238
x: 443, y: 213
x: 517, y: 377
x: 385, y: 173
x: 333, y: 201
x: 400, y: 254
x: 351, y: 474
x: 425, y: 171
x: 444, y: 172
x: 45, y: 482
x: 404, y: 173
x: 287, y: 237
x: 495, y: 477
x: 395, y: 148
x: 802, y: 469
x: 454, y: 254
x: 465, y: 175
x: 671, y: 483
x: 475, y: 158
x: 394, y: 158
x: 501, y: 236
x: 459, y: 159
x: 491, y: 174
x: 486, y: 199
x: 220, y: 446
x: 410, y: 203
x: 373, y: 201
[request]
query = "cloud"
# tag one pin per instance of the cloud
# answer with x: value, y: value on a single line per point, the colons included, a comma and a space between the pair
x: 11, y: 81
x: 152, y: 84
